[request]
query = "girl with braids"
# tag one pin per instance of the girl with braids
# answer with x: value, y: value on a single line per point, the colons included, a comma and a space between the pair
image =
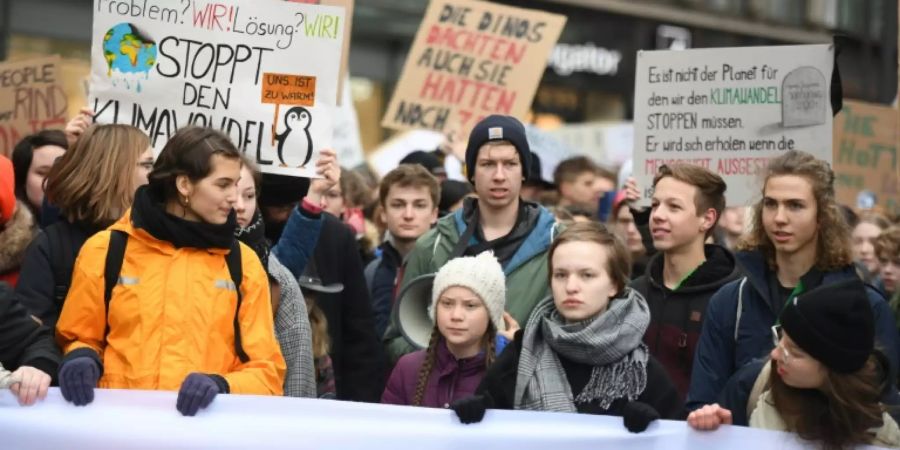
x: 467, y: 304
x: 823, y: 381
x: 582, y: 350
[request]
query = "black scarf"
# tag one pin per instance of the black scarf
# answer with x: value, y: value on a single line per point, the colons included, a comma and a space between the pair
x: 254, y: 235
x: 148, y: 213
x: 503, y: 247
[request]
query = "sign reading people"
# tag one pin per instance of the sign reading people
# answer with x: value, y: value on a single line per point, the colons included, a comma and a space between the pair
x: 865, y: 157
x: 471, y: 59
x: 264, y: 72
x: 31, y: 99
x: 730, y: 110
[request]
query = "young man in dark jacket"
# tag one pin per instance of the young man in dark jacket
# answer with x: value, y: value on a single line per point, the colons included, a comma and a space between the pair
x: 409, y: 198
x: 28, y: 356
x: 797, y: 242
x: 680, y: 279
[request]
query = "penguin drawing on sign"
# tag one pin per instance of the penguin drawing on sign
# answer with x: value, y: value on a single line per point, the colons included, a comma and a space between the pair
x: 296, y: 139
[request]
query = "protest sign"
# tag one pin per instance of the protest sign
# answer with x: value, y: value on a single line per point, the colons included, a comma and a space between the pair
x: 608, y: 143
x: 730, y: 110
x: 129, y: 419
x: 265, y: 73
x: 345, y: 52
x: 865, y: 157
x: 471, y: 59
x: 31, y: 99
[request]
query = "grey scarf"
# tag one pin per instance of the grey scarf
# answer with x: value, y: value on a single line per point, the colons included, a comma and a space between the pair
x: 611, y: 343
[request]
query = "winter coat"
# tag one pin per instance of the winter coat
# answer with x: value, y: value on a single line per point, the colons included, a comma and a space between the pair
x: 738, y: 325
x: 356, y: 353
x: 450, y: 378
x: 38, y: 283
x: 23, y: 340
x: 526, y: 271
x: 500, y: 384
x: 294, y: 334
x: 303, y: 227
x: 676, y: 316
x: 171, y: 314
x: 382, y: 281
x: 15, y: 236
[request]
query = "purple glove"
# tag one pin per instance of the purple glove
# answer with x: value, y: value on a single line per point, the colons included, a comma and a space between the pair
x: 77, y: 378
x: 198, y: 391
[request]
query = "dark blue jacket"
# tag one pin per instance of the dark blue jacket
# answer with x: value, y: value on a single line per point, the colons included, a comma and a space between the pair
x: 298, y: 240
x: 738, y: 326
x: 382, y: 280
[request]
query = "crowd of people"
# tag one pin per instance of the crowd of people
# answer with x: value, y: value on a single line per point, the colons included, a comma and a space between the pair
x: 194, y: 272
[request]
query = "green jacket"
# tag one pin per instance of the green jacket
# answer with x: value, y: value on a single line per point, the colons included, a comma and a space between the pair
x: 526, y: 272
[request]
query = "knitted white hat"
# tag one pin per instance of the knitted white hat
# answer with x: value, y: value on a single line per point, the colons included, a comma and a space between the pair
x: 483, y: 275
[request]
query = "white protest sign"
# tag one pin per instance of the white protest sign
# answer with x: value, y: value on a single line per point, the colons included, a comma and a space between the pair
x: 730, y: 110
x: 264, y: 72
x: 125, y: 419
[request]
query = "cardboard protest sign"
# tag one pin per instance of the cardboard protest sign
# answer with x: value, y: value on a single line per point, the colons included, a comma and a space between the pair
x: 865, y: 157
x: 345, y: 52
x: 471, y: 59
x: 730, y: 110
x: 31, y: 99
x: 265, y: 73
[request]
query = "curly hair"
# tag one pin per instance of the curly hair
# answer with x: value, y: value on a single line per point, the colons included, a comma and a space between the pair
x: 833, y: 243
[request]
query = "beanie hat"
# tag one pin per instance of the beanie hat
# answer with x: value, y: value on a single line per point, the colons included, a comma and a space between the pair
x: 834, y: 324
x: 7, y: 190
x: 281, y: 190
x: 483, y: 275
x: 498, y: 128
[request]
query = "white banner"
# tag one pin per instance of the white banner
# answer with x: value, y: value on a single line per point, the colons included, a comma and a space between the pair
x: 119, y: 419
x: 730, y: 110
x: 264, y: 72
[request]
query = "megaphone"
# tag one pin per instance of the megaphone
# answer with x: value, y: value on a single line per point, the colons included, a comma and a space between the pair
x: 411, y: 311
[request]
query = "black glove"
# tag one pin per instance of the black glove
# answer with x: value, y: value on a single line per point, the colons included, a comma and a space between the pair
x: 638, y: 415
x: 77, y: 379
x: 198, y: 391
x: 471, y: 409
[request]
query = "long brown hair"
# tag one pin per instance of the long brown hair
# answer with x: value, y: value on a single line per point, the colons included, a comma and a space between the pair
x: 840, y: 413
x: 488, y: 342
x: 93, y: 182
x: 318, y: 324
x: 833, y: 244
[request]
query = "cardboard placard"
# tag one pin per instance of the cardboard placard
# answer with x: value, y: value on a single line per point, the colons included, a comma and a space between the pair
x: 730, y: 110
x: 471, y: 59
x: 865, y: 157
x: 31, y: 99
x: 219, y: 64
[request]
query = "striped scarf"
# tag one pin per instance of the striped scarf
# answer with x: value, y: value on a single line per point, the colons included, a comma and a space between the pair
x: 611, y: 343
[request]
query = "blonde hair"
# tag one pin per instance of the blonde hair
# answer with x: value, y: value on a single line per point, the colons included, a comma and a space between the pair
x: 833, y: 245
x: 93, y: 182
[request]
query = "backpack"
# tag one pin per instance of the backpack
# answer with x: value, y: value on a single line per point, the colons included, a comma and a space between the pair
x: 115, y: 255
x: 62, y: 261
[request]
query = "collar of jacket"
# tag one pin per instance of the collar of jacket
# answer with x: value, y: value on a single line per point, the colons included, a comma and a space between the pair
x: 536, y: 243
x: 719, y: 268
x: 758, y: 273
x: 15, y: 237
x: 448, y: 364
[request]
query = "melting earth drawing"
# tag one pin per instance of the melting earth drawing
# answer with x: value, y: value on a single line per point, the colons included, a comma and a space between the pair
x: 129, y: 52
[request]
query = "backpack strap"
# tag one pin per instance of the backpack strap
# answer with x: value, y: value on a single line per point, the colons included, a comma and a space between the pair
x: 740, y: 309
x: 759, y: 386
x: 61, y: 262
x: 115, y: 255
x: 233, y: 260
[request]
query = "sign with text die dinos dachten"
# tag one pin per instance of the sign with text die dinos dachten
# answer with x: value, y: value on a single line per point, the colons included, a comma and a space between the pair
x: 263, y: 72
x: 730, y: 110
x: 471, y: 59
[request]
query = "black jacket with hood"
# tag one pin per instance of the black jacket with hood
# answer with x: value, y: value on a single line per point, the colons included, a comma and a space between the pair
x: 676, y: 316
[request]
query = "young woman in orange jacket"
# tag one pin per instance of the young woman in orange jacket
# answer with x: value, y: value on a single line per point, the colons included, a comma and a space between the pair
x: 177, y: 317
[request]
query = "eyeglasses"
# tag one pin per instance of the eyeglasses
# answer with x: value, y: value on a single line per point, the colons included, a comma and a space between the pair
x: 776, y: 340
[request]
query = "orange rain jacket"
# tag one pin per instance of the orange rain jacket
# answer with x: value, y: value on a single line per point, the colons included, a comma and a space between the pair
x: 171, y: 314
